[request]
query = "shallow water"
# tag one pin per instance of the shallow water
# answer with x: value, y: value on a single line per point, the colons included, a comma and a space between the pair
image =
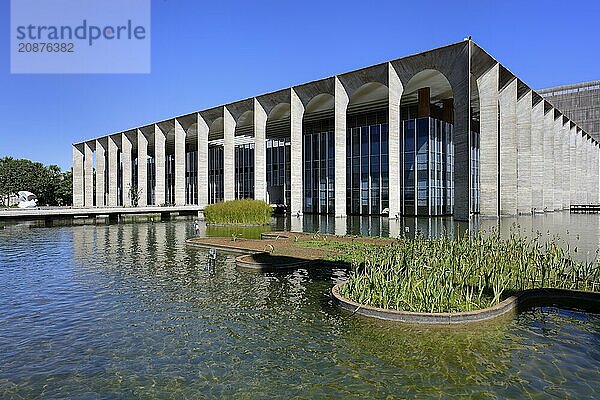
x: 128, y: 311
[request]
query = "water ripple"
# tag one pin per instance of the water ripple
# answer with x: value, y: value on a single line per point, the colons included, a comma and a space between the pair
x: 127, y: 311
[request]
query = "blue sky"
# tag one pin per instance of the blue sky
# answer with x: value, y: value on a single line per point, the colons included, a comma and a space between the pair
x: 206, y: 53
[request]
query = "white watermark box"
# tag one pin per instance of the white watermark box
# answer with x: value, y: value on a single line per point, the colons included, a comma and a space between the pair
x: 80, y: 36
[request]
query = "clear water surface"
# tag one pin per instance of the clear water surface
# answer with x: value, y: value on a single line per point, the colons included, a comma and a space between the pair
x: 128, y: 311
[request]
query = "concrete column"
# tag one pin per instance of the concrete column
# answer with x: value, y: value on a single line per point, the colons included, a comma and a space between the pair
x: 395, y: 90
x: 126, y: 147
x: 537, y: 157
x: 112, y: 172
x: 593, y: 168
x: 202, y: 161
x: 260, y: 151
x: 557, y: 164
x: 549, y: 161
x: 597, y: 172
x: 142, y: 168
x: 228, y: 155
x: 78, y: 178
x: 179, y: 164
x: 341, y: 105
x: 297, y: 183
x: 566, y: 165
x: 88, y: 172
x: 579, y: 156
x: 100, y: 170
x: 573, y: 165
x: 582, y: 177
x: 524, y: 193
x: 588, y: 171
x: 508, y: 149
x: 488, y: 142
x: 160, y: 141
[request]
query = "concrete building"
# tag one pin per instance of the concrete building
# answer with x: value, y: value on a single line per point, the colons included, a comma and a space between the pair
x: 449, y: 131
x: 579, y: 102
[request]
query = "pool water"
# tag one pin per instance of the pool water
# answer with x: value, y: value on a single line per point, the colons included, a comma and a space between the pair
x: 128, y: 311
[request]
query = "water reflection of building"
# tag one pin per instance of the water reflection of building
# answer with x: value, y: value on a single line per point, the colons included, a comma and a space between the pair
x: 449, y: 131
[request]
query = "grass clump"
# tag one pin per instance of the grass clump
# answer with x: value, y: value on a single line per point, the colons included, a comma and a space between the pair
x: 461, y: 274
x: 239, y: 212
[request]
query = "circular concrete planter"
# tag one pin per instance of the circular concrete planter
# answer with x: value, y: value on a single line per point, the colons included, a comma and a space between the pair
x: 268, y: 263
x: 590, y: 301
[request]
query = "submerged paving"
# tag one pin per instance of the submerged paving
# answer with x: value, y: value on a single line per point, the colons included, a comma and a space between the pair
x: 286, y: 244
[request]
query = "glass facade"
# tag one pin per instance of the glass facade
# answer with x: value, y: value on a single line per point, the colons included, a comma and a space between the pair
x: 215, y: 174
x: 170, y: 179
x: 244, y: 171
x: 475, y: 183
x: 278, y: 170
x: 428, y: 165
x: 151, y: 183
x: 318, y: 149
x: 367, y: 182
x: 191, y: 176
x: 119, y: 178
x: 134, y: 173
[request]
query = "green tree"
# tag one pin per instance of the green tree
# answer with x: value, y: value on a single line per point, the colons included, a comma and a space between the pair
x: 49, y: 184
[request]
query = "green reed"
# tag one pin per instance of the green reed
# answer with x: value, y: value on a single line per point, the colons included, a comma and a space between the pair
x: 239, y: 212
x: 461, y: 274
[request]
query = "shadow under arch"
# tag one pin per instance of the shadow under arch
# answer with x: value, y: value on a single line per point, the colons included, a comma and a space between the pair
x: 278, y: 155
x: 216, y: 187
x: 244, y: 153
x: 427, y: 145
x: 367, y: 154
x: 318, y: 136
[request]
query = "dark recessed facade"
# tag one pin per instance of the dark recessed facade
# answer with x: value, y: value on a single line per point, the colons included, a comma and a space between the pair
x: 579, y: 102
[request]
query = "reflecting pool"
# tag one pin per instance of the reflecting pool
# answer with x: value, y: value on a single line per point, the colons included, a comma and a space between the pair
x: 128, y: 311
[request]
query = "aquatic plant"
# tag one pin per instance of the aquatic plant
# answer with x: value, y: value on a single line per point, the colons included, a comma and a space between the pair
x: 461, y: 274
x: 239, y: 212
